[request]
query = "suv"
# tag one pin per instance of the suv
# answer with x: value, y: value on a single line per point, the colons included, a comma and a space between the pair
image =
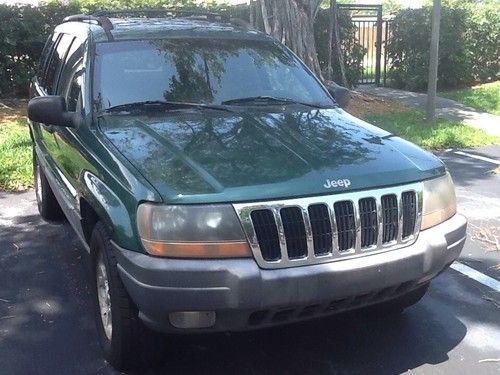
x: 217, y: 185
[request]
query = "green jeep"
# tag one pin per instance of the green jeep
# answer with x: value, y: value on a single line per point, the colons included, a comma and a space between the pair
x: 218, y: 186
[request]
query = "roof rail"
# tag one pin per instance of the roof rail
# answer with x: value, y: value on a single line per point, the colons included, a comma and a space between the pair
x: 102, y: 21
x: 157, y: 12
x: 101, y: 17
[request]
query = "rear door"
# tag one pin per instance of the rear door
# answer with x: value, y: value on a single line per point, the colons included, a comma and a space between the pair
x: 47, y: 136
x: 66, y: 148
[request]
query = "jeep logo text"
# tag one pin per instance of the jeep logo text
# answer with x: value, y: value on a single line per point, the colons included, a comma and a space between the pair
x: 345, y: 183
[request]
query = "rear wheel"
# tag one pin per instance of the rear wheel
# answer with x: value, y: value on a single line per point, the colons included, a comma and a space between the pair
x: 48, y: 206
x: 124, y: 339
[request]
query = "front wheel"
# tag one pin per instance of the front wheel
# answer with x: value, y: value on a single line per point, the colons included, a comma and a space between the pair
x: 124, y: 339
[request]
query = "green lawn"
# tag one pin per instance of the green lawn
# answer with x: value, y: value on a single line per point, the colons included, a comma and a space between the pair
x: 441, y: 134
x: 485, y: 98
x: 15, y: 156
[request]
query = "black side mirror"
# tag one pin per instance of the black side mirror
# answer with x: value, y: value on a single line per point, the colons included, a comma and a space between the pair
x: 341, y: 94
x: 50, y: 110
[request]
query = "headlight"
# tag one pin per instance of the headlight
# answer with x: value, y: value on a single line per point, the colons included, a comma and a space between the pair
x: 439, y: 201
x: 205, y: 231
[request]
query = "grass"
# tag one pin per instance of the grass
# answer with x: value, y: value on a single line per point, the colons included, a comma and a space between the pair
x: 485, y: 98
x: 441, y: 134
x: 15, y: 154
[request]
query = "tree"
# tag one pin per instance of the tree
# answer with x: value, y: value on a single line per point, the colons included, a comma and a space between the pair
x: 291, y: 22
x: 391, y: 6
x: 334, y: 40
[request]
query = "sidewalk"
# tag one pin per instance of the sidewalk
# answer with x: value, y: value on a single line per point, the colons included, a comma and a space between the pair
x: 445, y: 108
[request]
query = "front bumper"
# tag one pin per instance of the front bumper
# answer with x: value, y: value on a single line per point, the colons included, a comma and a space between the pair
x: 245, y: 296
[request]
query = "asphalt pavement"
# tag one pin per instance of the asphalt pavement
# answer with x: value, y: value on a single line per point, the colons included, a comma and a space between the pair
x: 46, y: 322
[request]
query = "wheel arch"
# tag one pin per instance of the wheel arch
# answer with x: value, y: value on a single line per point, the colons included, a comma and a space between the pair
x: 99, y: 203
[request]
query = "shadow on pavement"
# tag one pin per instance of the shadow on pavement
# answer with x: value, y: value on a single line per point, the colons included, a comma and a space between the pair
x: 348, y: 344
x: 46, y: 325
x: 468, y: 172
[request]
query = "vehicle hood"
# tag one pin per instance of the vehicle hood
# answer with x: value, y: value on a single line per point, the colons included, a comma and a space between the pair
x: 208, y: 156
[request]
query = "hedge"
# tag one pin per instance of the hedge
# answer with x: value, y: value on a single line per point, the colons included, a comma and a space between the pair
x: 23, y: 32
x: 468, y: 47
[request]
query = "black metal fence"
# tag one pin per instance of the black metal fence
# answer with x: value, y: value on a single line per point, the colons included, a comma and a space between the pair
x: 372, y: 32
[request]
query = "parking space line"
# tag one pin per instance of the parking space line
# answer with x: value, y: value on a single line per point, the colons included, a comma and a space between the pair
x: 476, y: 275
x: 483, y: 158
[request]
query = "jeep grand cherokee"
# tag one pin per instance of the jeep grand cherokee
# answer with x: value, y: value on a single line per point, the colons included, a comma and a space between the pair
x: 218, y: 186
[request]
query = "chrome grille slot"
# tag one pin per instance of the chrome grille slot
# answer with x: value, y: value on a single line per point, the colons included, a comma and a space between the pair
x: 303, y: 231
x: 369, y: 222
x: 295, y: 232
x: 321, y: 226
x: 346, y: 226
x: 389, y: 218
x: 267, y: 234
x: 409, y: 207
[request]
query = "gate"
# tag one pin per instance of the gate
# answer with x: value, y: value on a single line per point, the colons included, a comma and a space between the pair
x: 372, y: 32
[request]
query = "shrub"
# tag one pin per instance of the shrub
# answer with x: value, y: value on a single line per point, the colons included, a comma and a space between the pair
x: 23, y: 32
x: 468, y: 46
x: 484, y: 41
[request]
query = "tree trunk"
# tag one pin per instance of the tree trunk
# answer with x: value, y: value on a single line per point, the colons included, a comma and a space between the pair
x: 291, y: 22
x: 338, y: 46
x: 433, y: 62
x: 330, y: 42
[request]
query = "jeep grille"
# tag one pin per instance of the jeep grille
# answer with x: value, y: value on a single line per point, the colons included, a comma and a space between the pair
x: 304, y: 231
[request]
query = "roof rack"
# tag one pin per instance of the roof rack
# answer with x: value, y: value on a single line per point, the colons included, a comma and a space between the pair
x: 102, y: 21
x: 156, y: 12
x: 101, y: 17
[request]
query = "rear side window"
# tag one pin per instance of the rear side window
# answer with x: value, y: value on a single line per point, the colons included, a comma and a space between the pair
x: 55, y: 64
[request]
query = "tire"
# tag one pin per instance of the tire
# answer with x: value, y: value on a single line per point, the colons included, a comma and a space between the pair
x: 123, y: 338
x: 397, y: 305
x: 48, y: 206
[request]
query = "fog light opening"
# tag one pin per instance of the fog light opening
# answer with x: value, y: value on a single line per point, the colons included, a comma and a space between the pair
x: 192, y: 319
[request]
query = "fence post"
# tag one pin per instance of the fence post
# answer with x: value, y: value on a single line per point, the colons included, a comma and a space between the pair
x: 378, y: 46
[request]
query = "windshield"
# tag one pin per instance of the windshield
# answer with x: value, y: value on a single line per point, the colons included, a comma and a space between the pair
x: 203, y: 71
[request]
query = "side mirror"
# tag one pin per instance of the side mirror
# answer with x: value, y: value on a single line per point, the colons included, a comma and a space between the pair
x: 341, y: 94
x: 50, y: 110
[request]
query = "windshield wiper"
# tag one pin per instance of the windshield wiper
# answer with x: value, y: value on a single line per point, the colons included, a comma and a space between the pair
x: 268, y: 100
x: 160, y: 105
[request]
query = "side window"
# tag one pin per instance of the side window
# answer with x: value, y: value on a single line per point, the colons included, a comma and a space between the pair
x: 55, y: 64
x: 70, y: 82
x: 47, y: 50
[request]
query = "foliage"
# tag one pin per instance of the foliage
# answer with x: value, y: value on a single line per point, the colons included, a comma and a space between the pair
x: 484, y: 97
x: 442, y: 133
x: 391, y: 6
x: 23, y: 32
x: 468, y: 51
x: 353, y: 51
